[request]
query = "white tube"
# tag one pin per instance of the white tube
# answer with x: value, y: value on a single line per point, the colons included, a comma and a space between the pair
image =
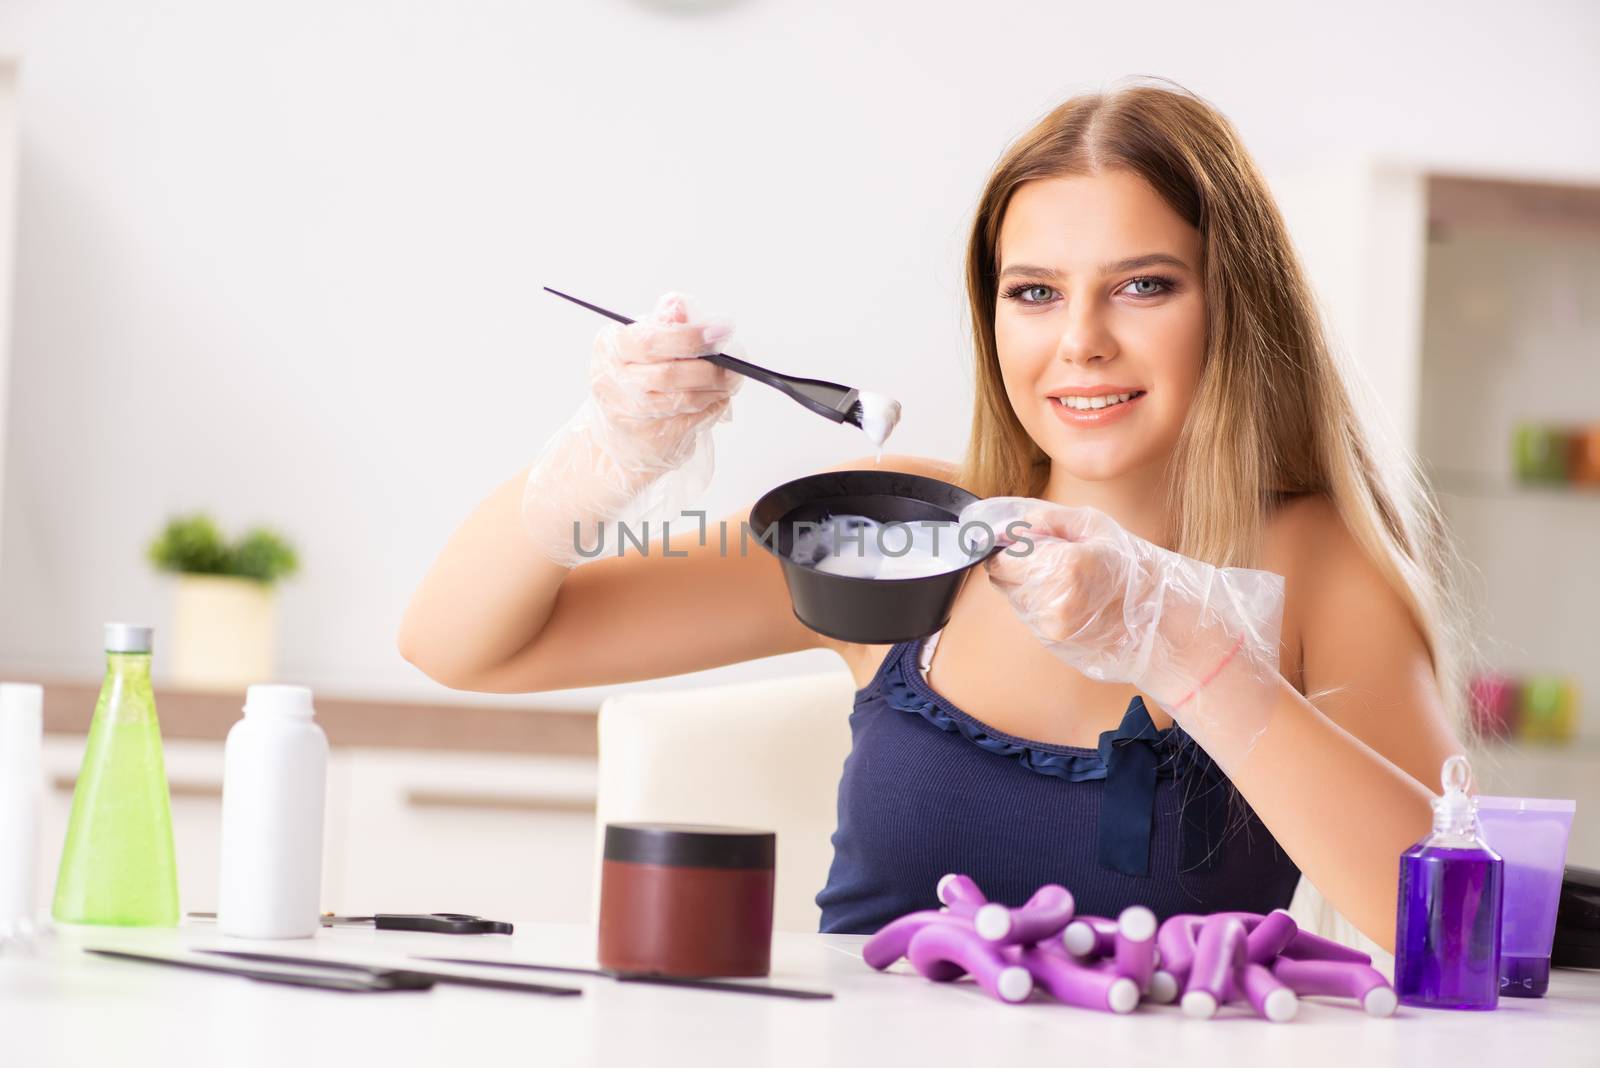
x: 21, y: 782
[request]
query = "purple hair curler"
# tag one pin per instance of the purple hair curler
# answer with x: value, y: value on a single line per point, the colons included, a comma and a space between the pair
x: 1304, y: 945
x: 1307, y: 946
x: 1073, y: 982
x: 946, y: 951
x: 959, y: 893
x: 1271, y: 999
x: 891, y: 941
x: 1135, y: 951
x: 1340, y: 979
x: 1176, y: 940
x: 1218, y: 953
x: 1090, y: 936
x: 1269, y: 936
x: 1045, y: 914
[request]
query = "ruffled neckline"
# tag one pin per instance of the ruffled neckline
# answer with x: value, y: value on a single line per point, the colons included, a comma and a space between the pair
x: 900, y: 683
x: 1130, y: 760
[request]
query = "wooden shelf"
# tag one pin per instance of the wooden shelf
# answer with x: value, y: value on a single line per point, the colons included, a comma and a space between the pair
x: 387, y: 724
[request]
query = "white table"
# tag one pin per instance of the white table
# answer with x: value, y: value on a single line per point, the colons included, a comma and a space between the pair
x: 62, y: 1007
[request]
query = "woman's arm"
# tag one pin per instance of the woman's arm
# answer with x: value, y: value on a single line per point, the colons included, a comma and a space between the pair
x: 1341, y: 810
x: 1343, y: 779
x: 1339, y: 785
x: 493, y: 614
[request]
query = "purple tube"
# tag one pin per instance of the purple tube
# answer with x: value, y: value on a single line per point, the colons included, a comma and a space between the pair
x: 1090, y: 936
x: 959, y: 890
x: 1045, y: 914
x: 893, y: 938
x: 1271, y: 999
x: 1218, y: 953
x: 1135, y: 952
x: 1340, y: 979
x: 1270, y: 936
x: 1530, y: 834
x: 1074, y: 983
x: 1176, y: 940
x: 946, y: 951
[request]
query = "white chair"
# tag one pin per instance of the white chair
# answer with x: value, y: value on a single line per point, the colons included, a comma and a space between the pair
x: 768, y: 754
x: 763, y: 754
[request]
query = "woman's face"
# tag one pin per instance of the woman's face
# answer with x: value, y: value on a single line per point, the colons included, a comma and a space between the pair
x: 1100, y: 321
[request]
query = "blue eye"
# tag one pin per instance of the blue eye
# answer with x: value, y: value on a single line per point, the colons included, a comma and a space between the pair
x: 1157, y: 286
x: 1015, y: 293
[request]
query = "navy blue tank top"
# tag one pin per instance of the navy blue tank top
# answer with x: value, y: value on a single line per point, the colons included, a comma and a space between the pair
x: 1145, y: 818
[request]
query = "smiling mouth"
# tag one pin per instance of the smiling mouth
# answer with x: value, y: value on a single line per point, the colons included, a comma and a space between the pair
x: 1093, y: 404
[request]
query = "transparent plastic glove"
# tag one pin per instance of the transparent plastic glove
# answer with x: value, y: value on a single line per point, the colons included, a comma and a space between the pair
x: 1199, y: 640
x: 639, y: 447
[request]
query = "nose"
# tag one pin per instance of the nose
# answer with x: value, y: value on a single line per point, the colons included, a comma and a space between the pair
x: 1086, y: 336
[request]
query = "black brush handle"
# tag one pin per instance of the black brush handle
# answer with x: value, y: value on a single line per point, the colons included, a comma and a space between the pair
x: 367, y: 984
x: 722, y: 985
x: 381, y: 973
x: 785, y: 384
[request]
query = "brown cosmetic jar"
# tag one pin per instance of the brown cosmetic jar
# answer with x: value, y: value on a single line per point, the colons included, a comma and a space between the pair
x: 686, y: 900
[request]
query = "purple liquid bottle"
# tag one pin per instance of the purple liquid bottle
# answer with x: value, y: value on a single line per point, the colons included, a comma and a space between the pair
x: 1447, y: 931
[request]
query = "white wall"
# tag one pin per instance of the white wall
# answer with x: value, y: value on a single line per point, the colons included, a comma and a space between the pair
x: 281, y: 260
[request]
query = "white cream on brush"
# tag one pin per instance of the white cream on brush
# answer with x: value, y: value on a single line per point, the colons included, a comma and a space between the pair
x: 879, y: 416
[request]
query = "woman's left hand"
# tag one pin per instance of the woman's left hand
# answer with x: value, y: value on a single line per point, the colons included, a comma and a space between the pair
x: 1121, y: 609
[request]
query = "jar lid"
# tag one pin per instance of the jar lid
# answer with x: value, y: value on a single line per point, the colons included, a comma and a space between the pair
x: 690, y: 845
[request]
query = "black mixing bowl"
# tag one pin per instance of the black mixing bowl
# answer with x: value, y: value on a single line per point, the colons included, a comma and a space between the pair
x: 865, y: 610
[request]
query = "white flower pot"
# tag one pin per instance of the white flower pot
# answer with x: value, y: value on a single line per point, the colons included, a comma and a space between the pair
x: 224, y: 633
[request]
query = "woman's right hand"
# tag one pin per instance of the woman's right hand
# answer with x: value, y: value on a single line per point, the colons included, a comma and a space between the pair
x: 650, y: 411
x: 651, y: 394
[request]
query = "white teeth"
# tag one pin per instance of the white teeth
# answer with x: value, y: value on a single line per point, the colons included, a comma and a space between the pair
x: 1088, y: 404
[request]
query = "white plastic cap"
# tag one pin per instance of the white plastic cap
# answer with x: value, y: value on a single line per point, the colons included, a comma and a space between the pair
x: 129, y: 637
x: 21, y: 715
x: 1380, y: 1001
x: 1199, y: 1005
x: 1123, y: 995
x: 1281, y: 1005
x: 1455, y: 812
x: 1163, y: 987
x: 1014, y: 983
x: 271, y: 699
x: 21, y: 699
x: 993, y: 921
x: 1137, y: 923
x: 1078, y: 938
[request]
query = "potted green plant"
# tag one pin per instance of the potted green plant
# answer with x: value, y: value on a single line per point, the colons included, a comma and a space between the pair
x: 224, y: 609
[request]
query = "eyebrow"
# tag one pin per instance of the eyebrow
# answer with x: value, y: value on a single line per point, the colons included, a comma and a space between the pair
x: 1133, y: 263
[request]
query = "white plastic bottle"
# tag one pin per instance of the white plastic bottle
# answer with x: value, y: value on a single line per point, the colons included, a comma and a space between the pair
x: 274, y: 779
x: 21, y: 782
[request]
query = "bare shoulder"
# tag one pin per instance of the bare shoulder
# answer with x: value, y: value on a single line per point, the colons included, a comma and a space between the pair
x: 1304, y: 526
x: 1306, y: 540
x: 1359, y: 652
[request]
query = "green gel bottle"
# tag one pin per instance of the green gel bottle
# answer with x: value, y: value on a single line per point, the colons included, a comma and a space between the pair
x: 118, y: 866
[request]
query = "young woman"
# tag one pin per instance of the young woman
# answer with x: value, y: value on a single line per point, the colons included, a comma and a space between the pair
x: 1154, y: 384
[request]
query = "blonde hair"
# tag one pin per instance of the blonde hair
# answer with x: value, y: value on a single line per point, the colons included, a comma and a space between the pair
x: 1272, y: 416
